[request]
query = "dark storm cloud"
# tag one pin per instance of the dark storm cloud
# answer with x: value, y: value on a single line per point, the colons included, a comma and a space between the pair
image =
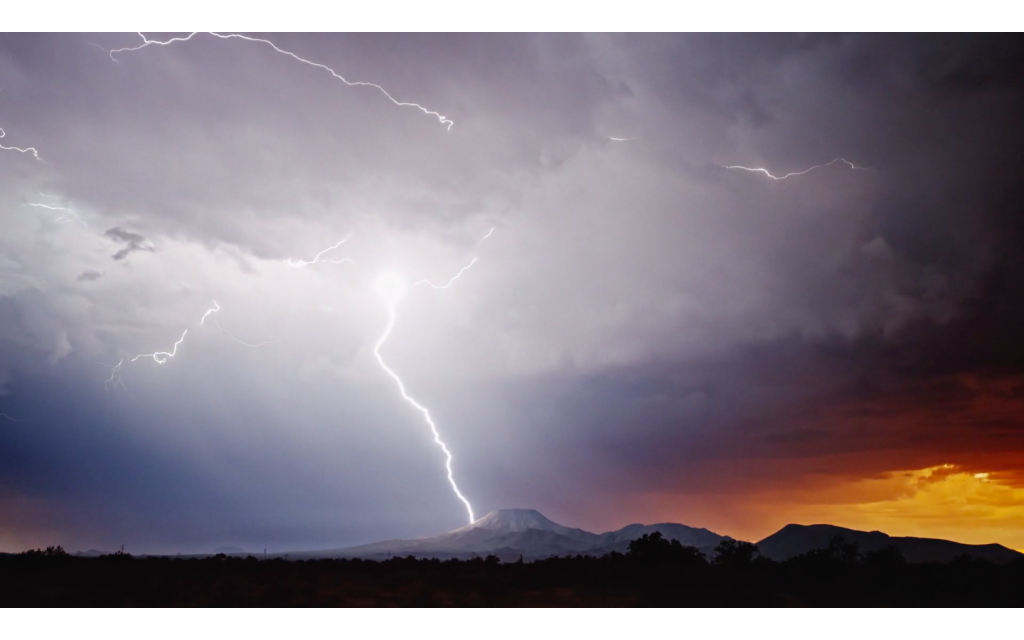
x: 641, y: 314
x: 134, y: 242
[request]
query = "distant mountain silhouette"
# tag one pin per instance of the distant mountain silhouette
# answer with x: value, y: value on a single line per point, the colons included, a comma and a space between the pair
x: 794, y: 539
x: 513, y: 533
x: 91, y: 553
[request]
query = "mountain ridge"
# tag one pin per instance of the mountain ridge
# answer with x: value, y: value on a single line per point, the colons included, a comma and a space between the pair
x: 511, y: 534
x: 795, y: 539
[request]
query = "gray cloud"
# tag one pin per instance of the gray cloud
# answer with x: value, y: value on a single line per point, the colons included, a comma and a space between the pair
x: 134, y: 242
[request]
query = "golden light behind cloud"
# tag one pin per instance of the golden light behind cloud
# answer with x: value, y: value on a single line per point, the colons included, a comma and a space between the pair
x: 944, y: 501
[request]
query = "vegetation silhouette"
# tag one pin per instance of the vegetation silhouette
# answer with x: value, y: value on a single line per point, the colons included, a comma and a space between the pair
x: 734, y: 553
x: 654, y: 550
x: 653, y: 572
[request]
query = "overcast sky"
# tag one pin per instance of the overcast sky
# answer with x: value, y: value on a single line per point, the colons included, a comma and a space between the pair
x: 646, y: 335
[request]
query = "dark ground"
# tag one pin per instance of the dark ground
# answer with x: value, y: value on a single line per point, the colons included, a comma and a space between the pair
x: 653, y: 573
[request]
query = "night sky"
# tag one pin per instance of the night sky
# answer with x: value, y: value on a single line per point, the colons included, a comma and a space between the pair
x: 646, y: 334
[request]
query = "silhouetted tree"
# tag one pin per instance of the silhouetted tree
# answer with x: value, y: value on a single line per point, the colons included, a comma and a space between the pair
x: 735, y: 553
x: 649, y: 575
x: 119, y: 556
x: 652, y: 545
x: 49, y: 552
x: 838, y: 552
x: 888, y: 558
x: 654, y: 548
x: 843, y: 551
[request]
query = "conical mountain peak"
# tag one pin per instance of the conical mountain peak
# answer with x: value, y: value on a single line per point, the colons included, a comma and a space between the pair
x: 516, y: 520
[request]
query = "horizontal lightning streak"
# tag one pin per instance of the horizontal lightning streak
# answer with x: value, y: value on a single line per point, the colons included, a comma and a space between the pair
x: 229, y: 36
x: 798, y: 173
x: 10, y: 418
x: 51, y: 207
x: 32, y: 150
x: 160, y: 357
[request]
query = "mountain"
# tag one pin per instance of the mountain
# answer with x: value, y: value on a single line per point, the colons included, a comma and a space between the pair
x: 687, y: 536
x: 92, y: 553
x: 521, y: 520
x: 794, y: 539
x: 511, y: 533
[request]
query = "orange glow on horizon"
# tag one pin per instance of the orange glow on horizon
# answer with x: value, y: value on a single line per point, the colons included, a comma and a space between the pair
x: 944, y: 501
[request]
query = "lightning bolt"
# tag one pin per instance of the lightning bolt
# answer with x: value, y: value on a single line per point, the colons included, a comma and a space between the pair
x: 392, y: 315
x: 305, y: 263
x: 229, y: 36
x: 161, y: 357
x: 614, y: 139
x: 798, y: 173
x: 445, y: 286
x: 10, y: 418
x: 216, y: 309
x: 115, y: 376
x: 51, y: 207
x: 457, y: 275
x: 32, y: 150
x: 423, y: 410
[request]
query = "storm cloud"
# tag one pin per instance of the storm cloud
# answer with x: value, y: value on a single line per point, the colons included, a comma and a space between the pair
x: 643, y: 320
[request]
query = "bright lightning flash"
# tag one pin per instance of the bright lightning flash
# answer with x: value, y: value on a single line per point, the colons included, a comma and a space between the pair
x: 229, y: 36
x: 798, y: 173
x: 32, y: 150
x: 391, y: 288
